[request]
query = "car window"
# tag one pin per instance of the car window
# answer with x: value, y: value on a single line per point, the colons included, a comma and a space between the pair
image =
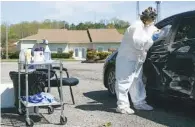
x: 164, y: 32
x: 186, y: 29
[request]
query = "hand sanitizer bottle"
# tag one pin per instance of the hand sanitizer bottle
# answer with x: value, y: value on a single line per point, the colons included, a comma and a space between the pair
x: 47, y: 52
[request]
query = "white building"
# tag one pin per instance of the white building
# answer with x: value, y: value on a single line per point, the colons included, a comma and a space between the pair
x: 63, y: 40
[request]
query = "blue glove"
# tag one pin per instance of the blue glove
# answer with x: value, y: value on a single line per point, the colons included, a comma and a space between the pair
x: 155, y: 36
x: 37, y: 98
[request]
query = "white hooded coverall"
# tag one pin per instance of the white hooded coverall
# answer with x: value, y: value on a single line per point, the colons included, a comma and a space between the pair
x: 131, y: 55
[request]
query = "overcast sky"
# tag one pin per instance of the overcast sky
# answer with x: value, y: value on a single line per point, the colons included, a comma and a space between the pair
x: 76, y: 12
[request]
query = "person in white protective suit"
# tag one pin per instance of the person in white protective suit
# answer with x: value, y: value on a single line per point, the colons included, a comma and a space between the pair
x: 131, y: 55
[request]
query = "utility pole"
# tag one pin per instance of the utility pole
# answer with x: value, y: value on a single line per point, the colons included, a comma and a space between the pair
x: 137, y: 10
x: 7, y: 41
x: 64, y: 24
x: 95, y: 17
x: 158, y: 10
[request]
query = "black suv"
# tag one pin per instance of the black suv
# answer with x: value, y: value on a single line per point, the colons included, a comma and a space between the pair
x: 170, y: 64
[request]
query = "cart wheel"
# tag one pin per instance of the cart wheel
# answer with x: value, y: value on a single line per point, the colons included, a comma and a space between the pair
x: 63, y: 120
x: 29, y: 123
x: 50, y: 110
x: 36, y: 110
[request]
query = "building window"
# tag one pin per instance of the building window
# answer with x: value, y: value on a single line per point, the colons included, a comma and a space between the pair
x: 100, y: 49
x: 112, y: 49
x: 76, y: 52
x: 165, y: 32
x: 83, y: 53
x: 59, y: 50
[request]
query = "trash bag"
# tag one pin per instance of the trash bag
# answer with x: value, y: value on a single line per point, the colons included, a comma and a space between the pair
x: 36, y: 83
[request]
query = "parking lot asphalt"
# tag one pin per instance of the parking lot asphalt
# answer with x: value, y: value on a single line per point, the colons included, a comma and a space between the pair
x: 94, y: 107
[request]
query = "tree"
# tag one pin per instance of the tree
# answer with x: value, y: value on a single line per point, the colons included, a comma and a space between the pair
x: 81, y: 26
x: 110, y: 25
x: 72, y: 27
x: 3, y: 35
x: 24, y: 29
x: 119, y: 23
x: 64, y: 25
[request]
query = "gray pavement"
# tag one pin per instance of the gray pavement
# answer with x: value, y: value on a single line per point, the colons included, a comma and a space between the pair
x: 94, y: 107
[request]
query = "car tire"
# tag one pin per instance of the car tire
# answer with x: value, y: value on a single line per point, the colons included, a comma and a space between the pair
x: 110, y: 81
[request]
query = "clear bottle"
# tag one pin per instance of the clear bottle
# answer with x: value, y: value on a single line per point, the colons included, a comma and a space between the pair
x: 47, y: 53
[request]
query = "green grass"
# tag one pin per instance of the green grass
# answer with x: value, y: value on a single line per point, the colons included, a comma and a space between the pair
x: 15, y: 60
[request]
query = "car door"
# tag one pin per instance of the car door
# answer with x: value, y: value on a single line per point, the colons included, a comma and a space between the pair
x: 157, y: 57
x: 179, y: 67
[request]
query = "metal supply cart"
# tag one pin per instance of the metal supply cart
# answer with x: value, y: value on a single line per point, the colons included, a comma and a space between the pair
x: 26, y: 103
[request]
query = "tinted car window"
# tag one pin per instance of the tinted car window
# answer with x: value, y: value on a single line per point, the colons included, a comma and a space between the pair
x: 164, y: 32
x: 186, y: 29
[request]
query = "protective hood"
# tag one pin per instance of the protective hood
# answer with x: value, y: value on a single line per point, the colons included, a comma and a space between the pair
x: 136, y: 42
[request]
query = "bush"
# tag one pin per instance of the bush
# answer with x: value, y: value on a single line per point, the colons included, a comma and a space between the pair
x: 91, y: 54
x: 71, y: 54
x: 13, y: 55
x: 60, y: 55
x: 3, y: 54
x: 111, y: 50
x: 92, y: 50
x: 103, y: 55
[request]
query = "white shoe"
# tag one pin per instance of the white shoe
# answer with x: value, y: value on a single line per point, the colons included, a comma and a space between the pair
x: 125, y: 110
x: 143, y: 107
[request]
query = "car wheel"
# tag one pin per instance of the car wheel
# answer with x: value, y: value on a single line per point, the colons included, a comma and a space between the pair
x: 110, y: 81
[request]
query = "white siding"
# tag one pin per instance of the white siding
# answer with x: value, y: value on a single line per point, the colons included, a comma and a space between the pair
x: 53, y: 47
x: 106, y: 46
x: 72, y: 46
x: 27, y: 44
x: 18, y: 46
x: 81, y: 48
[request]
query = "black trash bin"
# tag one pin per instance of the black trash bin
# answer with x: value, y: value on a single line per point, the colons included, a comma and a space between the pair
x: 36, y: 84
